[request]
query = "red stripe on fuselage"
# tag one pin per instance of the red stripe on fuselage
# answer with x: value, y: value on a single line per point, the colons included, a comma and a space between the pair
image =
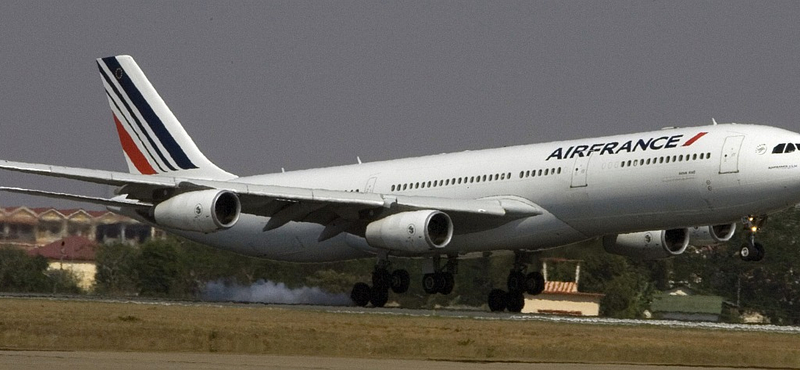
x: 133, y: 152
x: 695, y: 138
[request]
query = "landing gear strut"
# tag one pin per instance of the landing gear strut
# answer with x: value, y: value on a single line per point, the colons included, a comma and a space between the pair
x: 442, y: 280
x: 518, y: 283
x: 751, y: 250
x: 382, y: 280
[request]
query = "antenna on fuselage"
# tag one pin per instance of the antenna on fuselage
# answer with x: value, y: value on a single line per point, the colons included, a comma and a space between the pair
x: 713, y: 121
x: 358, y: 159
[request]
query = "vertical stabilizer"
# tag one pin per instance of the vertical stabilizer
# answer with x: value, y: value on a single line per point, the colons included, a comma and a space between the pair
x: 153, y: 140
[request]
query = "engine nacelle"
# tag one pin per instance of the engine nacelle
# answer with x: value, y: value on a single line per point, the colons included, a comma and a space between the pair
x: 203, y: 211
x: 707, y: 235
x: 415, y: 231
x: 648, y: 245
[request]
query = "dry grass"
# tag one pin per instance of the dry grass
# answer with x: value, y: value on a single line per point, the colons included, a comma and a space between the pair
x: 100, y: 326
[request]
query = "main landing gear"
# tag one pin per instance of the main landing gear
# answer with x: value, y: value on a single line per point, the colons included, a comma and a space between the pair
x: 382, y: 280
x: 441, y: 281
x: 518, y: 283
x: 751, y: 250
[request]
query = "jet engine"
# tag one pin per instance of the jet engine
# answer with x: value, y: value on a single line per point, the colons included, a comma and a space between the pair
x: 706, y: 235
x: 415, y: 231
x: 203, y: 211
x: 648, y: 245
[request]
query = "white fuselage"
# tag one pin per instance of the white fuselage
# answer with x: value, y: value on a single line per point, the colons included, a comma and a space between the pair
x: 665, y: 179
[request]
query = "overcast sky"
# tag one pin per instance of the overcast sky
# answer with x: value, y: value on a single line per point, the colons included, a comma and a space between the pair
x: 264, y: 85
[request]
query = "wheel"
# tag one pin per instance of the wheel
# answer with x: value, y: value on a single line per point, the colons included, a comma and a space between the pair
x: 400, y: 281
x: 497, y: 300
x: 379, y: 297
x: 744, y: 252
x: 381, y: 278
x: 515, y: 302
x: 516, y: 281
x: 429, y: 283
x: 534, y: 283
x: 759, y: 252
x: 449, y: 283
x: 361, y: 294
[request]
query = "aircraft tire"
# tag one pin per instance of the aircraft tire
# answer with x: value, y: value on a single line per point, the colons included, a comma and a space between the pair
x: 516, y: 281
x: 361, y: 294
x: 400, y: 281
x: 381, y: 278
x: 759, y: 254
x: 379, y: 297
x: 497, y: 300
x: 449, y: 283
x: 744, y: 252
x: 534, y: 283
x: 515, y: 301
x: 429, y: 284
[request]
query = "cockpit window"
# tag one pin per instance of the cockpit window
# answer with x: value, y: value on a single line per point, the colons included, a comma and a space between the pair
x: 778, y: 149
x: 789, y: 148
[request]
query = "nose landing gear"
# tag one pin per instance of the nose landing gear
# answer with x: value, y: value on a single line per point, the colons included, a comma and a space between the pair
x: 751, y: 250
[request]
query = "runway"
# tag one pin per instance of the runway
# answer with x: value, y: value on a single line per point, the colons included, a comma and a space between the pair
x: 41, y: 360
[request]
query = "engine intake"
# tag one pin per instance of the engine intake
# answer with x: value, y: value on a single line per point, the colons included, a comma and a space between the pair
x: 648, y: 245
x: 203, y: 211
x: 416, y: 231
x: 707, y: 235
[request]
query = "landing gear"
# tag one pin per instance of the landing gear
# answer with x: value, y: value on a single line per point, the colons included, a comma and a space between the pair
x: 751, y: 250
x: 517, y: 283
x: 382, y: 280
x: 442, y: 280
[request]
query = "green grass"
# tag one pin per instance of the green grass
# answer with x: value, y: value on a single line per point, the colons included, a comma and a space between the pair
x: 38, y: 324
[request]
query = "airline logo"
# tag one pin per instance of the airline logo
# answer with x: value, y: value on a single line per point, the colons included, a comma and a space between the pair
x: 145, y: 139
x: 630, y: 146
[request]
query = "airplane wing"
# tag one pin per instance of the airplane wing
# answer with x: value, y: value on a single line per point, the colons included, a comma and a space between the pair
x: 282, y: 203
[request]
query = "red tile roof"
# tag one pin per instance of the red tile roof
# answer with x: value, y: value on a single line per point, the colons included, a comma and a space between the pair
x: 560, y: 287
x: 71, y: 248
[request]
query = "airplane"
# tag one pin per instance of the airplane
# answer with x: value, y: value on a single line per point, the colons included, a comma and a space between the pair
x: 645, y: 195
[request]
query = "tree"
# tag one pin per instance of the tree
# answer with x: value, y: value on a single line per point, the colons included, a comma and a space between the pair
x: 116, y: 273
x: 20, y: 272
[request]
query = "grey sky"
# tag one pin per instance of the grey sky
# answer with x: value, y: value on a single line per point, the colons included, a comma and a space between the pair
x: 265, y: 85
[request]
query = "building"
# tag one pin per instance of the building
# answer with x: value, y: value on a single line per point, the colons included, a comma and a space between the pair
x: 563, y: 297
x: 73, y: 253
x: 33, y: 227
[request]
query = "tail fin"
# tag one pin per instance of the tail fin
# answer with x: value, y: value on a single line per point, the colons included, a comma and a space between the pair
x: 153, y: 140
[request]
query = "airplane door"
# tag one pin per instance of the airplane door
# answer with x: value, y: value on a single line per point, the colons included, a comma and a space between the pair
x: 580, y: 171
x: 370, y: 185
x: 729, y: 160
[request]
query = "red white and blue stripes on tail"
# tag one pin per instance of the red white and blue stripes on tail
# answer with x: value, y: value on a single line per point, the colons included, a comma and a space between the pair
x: 153, y: 140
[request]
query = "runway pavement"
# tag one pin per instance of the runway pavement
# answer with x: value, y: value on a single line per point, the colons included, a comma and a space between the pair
x: 42, y: 360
